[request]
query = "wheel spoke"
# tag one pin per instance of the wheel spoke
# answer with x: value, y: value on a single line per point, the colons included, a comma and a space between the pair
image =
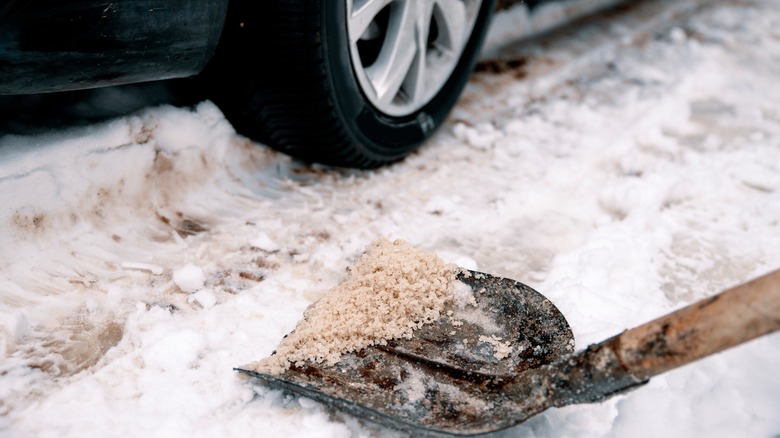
x: 361, y: 16
x: 414, y: 84
x: 404, y: 51
x: 451, y: 19
x: 394, y: 62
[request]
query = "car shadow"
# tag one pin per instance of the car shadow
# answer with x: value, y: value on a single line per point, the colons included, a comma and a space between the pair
x: 33, y: 114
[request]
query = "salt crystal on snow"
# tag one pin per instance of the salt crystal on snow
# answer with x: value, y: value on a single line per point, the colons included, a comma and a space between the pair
x: 264, y: 242
x: 189, y: 278
x: 205, y: 298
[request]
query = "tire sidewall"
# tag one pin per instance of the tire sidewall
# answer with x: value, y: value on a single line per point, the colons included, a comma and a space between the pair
x: 378, y: 134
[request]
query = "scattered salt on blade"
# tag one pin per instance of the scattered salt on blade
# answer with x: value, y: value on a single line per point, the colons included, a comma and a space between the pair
x: 502, y: 349
x: 463, y: 295
x: 391, y: 290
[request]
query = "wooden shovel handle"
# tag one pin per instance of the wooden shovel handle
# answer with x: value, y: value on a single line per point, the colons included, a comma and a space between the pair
x: 725, y: 320
x: 629, y: 359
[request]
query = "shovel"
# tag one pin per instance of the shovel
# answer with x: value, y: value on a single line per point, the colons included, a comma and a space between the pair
x: 512, y: 356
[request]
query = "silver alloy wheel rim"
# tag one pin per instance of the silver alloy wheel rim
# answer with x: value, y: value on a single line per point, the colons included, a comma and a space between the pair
x: 404, y: 51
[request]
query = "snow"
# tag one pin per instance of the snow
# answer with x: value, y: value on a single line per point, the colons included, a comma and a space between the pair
x: 520, y: 22
x: 633, y: 169
x: 189, y: 278
x: 264, y: 242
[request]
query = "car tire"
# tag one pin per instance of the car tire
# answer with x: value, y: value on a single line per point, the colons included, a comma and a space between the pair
x: 294, y: 74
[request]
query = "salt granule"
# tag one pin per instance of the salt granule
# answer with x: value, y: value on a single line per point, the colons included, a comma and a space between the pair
x: 391, y: 290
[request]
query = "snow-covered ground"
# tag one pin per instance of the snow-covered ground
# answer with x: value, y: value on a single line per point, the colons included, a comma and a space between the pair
x: 624, y: 167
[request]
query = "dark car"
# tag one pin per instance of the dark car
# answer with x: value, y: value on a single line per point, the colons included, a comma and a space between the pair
x: 356, y: 83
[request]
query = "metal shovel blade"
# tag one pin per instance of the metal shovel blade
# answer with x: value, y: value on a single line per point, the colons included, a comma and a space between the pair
x: 458, y: 377
x: 455, y: 376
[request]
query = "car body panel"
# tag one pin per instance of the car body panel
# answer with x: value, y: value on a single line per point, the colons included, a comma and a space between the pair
x: 55, y: 45
x: 51, y: 45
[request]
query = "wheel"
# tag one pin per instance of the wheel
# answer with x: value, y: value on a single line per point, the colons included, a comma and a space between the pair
x: 355, y: 83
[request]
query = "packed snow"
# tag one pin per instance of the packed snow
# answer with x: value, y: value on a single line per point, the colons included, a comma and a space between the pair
x: 624, y: 166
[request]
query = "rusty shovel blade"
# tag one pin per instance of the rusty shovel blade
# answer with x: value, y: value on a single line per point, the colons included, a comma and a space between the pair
x: 459, y: 376
x: 454, y: 377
